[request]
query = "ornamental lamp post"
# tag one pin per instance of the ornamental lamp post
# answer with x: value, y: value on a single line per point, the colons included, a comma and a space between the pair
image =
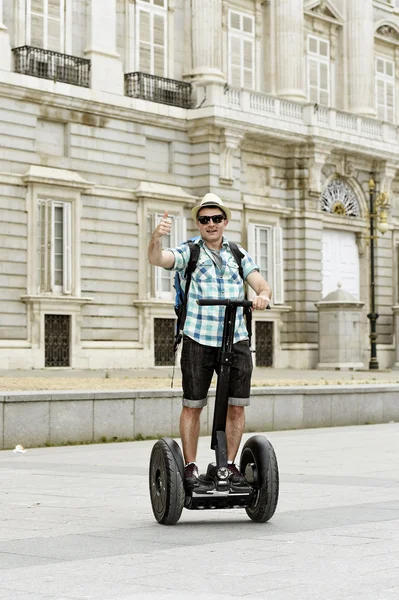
x: 378, y: 216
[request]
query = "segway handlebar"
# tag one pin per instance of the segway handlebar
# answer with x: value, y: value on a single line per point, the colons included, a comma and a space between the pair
x: 226, y: 302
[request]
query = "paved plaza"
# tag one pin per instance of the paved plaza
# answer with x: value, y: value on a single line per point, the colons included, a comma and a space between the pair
x: 77, y: 524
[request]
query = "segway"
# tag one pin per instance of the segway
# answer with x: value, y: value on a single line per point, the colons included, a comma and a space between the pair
x: 215, y: 489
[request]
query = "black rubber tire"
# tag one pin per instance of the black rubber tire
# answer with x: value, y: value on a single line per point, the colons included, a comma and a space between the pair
x: 166, y: 485
x: 258, y: 451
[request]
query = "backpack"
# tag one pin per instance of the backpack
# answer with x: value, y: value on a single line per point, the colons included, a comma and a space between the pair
x: 181, y: 295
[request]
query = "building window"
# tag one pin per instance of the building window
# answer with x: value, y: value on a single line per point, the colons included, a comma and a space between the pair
x: 265, y: 245
x: 161, y: 285
x: 45, y: 24
x: 54, y: 247
x: 385, y: 83
x: 318, y: 70
x: 241, y: 50
x: 151, y: 36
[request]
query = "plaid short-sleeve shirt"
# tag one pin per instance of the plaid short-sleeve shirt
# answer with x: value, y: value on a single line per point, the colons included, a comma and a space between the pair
x: 204, y: 324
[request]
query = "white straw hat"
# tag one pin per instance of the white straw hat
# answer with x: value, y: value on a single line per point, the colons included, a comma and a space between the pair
x: 208, y: 201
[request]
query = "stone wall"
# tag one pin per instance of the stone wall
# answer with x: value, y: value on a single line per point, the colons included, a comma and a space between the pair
x: 58, y: 418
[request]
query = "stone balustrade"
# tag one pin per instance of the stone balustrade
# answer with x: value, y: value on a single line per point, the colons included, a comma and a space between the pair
x: 309, y: 115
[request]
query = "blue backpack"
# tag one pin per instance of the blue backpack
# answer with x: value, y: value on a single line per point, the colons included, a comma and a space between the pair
x: 181, y: 295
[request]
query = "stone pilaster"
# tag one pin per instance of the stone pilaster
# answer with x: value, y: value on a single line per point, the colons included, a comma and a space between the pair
x: 206, y: 32
x: 289, y: 25
x: 360, y: 27
x: 5, y: 49
x: 106, y: 66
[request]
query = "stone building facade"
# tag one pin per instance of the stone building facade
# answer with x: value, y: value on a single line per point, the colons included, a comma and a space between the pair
x: 112, y: 111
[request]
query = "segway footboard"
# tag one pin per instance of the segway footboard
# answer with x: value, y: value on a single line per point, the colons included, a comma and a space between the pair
x: 201, y: 499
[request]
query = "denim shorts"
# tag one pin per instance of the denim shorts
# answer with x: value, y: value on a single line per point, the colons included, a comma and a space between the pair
x: 198, y: 364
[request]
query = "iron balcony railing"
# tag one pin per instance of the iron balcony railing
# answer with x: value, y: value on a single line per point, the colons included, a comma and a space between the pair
x: 52, y: 65
x: 158, y: 89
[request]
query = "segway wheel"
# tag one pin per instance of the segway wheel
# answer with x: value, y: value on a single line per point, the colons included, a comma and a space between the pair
x: 259, y: 464
x: 166, y: 485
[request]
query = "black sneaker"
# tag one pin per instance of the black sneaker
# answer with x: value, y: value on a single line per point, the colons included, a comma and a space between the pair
x: 235, y: 476
x: 190, y: 475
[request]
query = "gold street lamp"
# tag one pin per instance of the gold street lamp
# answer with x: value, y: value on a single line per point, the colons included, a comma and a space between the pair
x: 378, y: 216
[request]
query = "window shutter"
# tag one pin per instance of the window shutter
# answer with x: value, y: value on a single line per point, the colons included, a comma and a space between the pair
x: 35, y: 10
x: 390, y: 101
x: 318, y: 70
x: 234, y: 20
x: 278, y: 267
x: 67, y: 254
x: 55, y: 25
x: 144, y: 37
x: 313, y: 80
x: 385, y: 89
x: 248, y: 64
x: 44, y: 244
x: 159, y: 45
x: 152, y: 42
x: 180, y: 231
x: 50, y: 246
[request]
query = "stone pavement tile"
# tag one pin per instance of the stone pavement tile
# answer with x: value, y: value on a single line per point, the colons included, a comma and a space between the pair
x: 7, y: 594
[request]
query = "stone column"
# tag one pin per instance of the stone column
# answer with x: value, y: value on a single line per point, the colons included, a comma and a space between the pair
x: 395, y: 310
x: 206, y: 32
x: 106, y: 66
x: 360, y: 46
x: 290, y: 57
x: 5, y: 49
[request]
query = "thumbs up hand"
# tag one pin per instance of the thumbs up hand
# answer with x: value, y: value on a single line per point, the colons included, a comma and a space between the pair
x: 164, y: 227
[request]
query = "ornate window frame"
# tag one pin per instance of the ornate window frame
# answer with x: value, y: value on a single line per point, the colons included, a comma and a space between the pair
x: 59, y: 186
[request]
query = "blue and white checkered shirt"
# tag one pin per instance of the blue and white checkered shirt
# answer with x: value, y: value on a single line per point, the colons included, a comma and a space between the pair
x: 204, y: 324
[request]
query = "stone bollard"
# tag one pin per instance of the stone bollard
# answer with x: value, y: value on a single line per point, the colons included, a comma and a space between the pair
x: 339, y: 331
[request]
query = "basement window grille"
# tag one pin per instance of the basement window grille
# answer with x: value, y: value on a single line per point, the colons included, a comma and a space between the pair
x: 264, y: 343
x: 164, y: 335
x: 57, y: 340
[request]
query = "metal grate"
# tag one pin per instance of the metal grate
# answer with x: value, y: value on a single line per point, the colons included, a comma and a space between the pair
x: 56, y: 340
x: 264, y: 343
x: 47, y: 64
x: 164, y: 335
x: 158, y: 89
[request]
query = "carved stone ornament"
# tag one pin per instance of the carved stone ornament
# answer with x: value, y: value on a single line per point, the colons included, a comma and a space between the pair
x: 388, y: 32
x: 322, y: 9
x: 229, y: 144
x: 339, y: 199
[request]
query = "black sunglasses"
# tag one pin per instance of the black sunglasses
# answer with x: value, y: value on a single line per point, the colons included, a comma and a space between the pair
x: 215, y: 218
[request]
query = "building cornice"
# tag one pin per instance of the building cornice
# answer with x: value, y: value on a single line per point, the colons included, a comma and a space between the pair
x: 83, y: 109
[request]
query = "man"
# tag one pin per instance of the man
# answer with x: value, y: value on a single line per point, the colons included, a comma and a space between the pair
x: 215, y: 276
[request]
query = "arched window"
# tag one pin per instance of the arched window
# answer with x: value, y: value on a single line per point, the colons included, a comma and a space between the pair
x: 339, y: 199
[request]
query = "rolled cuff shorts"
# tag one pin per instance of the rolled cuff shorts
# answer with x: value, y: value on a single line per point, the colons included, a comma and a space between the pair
x: 199, y: 363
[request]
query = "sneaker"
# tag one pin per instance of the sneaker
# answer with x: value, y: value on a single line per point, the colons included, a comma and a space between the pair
x: 235, y: 476
x: 190, y: 475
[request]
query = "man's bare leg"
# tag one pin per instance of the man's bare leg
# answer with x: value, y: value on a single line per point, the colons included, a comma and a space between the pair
x: 189, y: 432
x: 235, y: 423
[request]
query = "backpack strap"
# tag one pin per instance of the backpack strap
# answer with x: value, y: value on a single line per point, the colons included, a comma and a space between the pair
x: 238, y: 255
x: 182, y: 309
